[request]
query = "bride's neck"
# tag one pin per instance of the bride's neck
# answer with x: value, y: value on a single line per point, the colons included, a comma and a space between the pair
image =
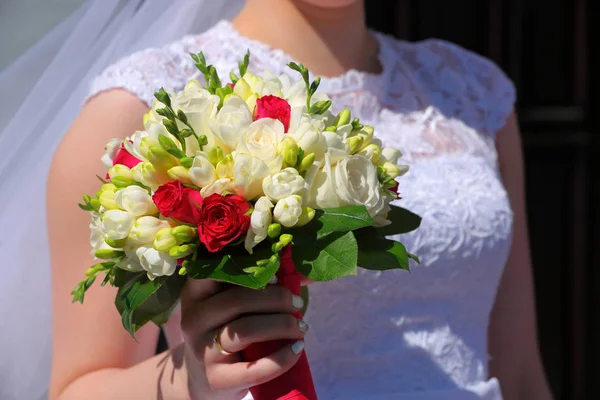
x: 328, y: 41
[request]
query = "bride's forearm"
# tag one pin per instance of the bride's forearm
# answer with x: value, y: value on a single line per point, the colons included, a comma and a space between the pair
x: 161, y: 377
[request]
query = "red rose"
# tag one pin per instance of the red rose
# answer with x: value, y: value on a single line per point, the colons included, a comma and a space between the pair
x: 174, y: 200
x: 125, y: 158
x: 223, y: 220
x: 273, y: 107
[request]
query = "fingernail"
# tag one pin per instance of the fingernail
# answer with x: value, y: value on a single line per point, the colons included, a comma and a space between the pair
x: 303, y: 326
x: 273, y: 280
x: 297, y: 301
x: 298, y: 347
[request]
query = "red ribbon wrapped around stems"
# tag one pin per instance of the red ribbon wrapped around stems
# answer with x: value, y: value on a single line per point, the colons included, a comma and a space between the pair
x: 297, y: 383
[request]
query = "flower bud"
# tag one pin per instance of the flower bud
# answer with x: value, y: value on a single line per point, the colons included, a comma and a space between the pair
x: 343, y: 118
x: 183, y: 233
x: 372, y: 152
x: 286, y: 239
x: 225, y: 167
x: 181, y: 251
x: 160, y: 159
x: 307, y: 215
x: 289, y: 149
x: 366, y: 133
x: 242, y: 89
x: 116, y: 244
x: 277, y: 247
x: 145, y: 173
x: 164, y: 240
x: 120, y: 175
x: 274, y: 258
x: 354, y: 144
x: 180, y: 173
x: 274, y: 231
x: 108, y: 254
x: 307, y: 162
x: 215, y: 155
x: 393, y: 171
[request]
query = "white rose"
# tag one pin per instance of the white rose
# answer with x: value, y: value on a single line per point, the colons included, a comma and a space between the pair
x: 261, y: 139
x: 117, y: 224
x: 136, y: 201
x: 283, y: 184
x: 231, y: 121
x: 357, y: 183
x: 220, y: 186
x: 260, y: 220
x: 338, y: 150
x: 156, y: 263
x: 381, y: 218
x: 322, y: 185
x: 288, y: 211
x: 248, y: 175
x: 145, y: 229
x: 202, y: 173
x: 110, y: 152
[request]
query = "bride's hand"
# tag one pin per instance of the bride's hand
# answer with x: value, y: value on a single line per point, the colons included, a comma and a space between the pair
x: 237, y: 317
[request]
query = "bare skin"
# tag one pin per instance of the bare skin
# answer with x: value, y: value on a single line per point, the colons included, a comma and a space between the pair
x: 94, y: 358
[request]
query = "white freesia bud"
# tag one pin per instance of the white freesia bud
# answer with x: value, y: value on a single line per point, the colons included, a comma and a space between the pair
x: 180, y: 173
x: 146, y: 174
x: 288, y: 211
x: 202, y: 172
x: 261, y: 139
x: 117, y: 224
x: 131, y: 262
x: 260, y: 220
x: 145, y: 229
x: 357, y: 183
x: 110, y: 152
x: 136, y: 201
x: 293, y: 91
x: 389, y: 154
x: 164, y: 240
x: 248, y: 176
x: 372, y: 152
x: 255, y: 82
x: 156, y: 263
x: 97, y: 234
x: 393, y: 170
x: 242, y: 89
x: 283, y: 184
x: 225, y: 167
x: 106, y: 196
x: 120, y: 175
x: 366, y: 135
x: 220, y: 186
x: 232, y: 120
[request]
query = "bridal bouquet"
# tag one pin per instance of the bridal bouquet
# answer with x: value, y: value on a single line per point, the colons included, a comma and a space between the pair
x: 240, y: 182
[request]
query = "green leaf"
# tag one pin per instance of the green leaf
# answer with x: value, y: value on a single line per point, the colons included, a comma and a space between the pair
x: 403, y: 221
x: 333, y: 256
x: 141, y: 300
x: 414, y: 258
x: 378, y: 253
x: 238, y: 268
x: 329, y: 220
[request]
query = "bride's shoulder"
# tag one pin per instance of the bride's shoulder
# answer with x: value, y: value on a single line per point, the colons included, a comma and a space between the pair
x: 450, y: 75
x: 144, y: 72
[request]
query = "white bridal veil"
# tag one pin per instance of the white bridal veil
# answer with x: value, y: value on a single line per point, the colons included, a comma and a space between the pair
x: 40, y: 94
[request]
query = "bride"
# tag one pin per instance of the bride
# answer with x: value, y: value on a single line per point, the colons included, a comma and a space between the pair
x: 459, y: 326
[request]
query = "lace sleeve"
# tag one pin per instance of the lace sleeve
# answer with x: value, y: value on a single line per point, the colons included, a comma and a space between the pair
x: 145, y: 72
x: 489, y: 94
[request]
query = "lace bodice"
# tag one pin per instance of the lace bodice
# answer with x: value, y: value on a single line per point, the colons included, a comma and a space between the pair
x: 396, y: 335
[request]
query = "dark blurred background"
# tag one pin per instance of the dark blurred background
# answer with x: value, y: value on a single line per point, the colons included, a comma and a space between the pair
x: 546, y: 47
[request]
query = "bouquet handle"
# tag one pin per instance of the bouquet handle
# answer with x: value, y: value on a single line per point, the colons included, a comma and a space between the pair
x: 297, y: 383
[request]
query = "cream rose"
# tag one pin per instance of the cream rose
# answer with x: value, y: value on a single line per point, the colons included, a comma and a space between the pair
x: 357, y: 183
x: 231, y: 121
x: 261, y: 139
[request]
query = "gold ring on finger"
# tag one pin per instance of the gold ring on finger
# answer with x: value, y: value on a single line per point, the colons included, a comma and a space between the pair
x: 217, y: 342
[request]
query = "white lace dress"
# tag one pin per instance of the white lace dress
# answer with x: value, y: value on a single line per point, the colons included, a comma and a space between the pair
x: 396, y: 335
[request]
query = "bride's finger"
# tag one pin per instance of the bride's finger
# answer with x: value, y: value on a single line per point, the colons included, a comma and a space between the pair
x: 243, y: 375
x: 242, y: 332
